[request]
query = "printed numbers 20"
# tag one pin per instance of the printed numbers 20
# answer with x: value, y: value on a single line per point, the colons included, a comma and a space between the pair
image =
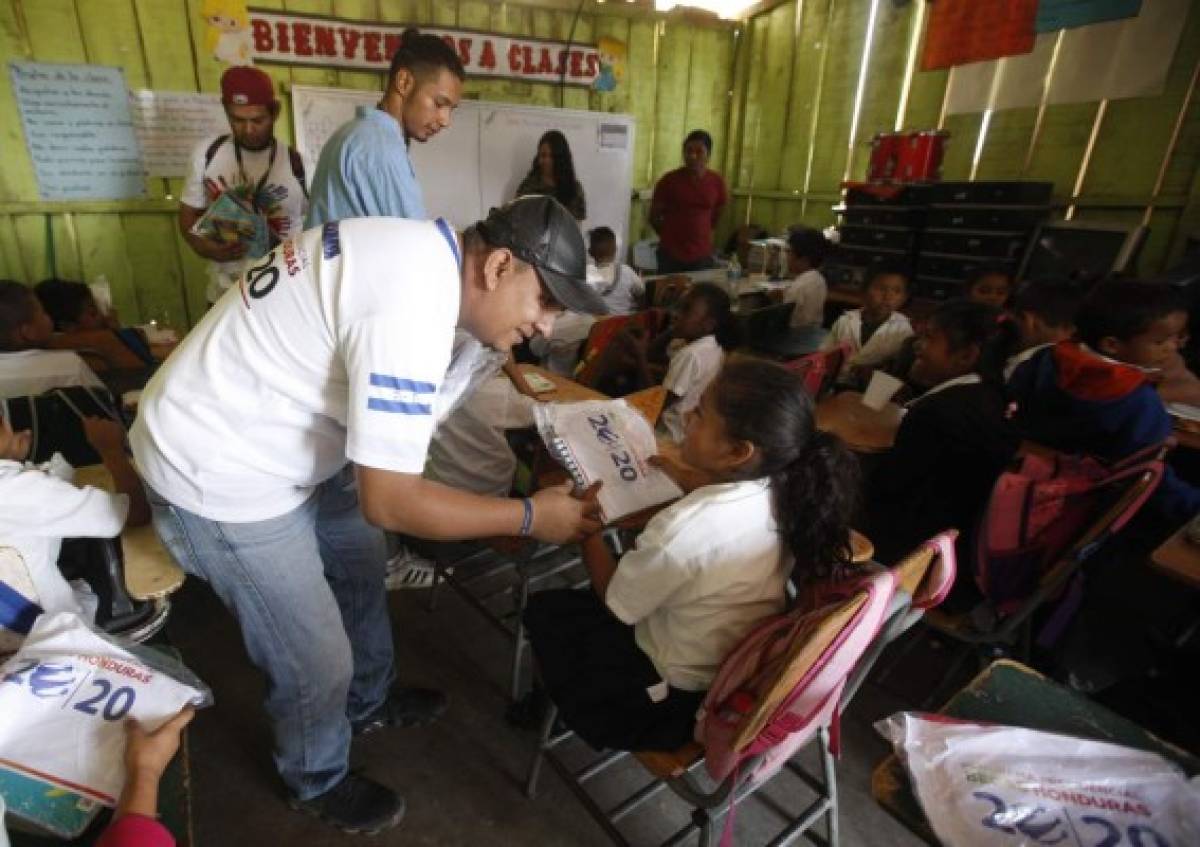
x: 262, y: 278
x: 115, y: 705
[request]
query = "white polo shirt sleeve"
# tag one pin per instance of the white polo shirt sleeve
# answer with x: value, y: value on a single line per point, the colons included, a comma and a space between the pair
x: 394, y: 369
x: 39, y: 504
x: 646, y: 578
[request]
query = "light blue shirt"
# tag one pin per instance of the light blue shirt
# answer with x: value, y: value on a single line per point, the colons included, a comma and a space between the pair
x: 364, y: 171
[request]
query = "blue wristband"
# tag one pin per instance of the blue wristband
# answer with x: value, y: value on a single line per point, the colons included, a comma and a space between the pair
x: 527, y: 521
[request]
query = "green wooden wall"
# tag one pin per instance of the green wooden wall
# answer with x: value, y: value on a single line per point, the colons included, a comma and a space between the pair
x: 776, y: 92
x: 805, y: 67
x: 678, y: 76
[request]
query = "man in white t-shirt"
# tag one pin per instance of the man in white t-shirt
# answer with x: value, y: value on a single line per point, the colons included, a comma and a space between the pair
x: 332, y: 350
x: 249, y: 164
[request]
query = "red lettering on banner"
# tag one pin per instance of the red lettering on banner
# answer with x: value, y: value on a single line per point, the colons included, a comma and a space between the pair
x: 527, y: 57
x: 487, y: 58
x: 262, y: 37
x: 560, y: 67
x: 325, y: 40
x: 284, y: 36
x: 576, y: 63
x: 545, y: 66
x: 449, y: 39
x: 464, y: 51
x: 350, y: 39
x: 391, y: 43
x: 371, y: 46
x: 302, y: 33
x: 593, y: 64
x: 514, y: 58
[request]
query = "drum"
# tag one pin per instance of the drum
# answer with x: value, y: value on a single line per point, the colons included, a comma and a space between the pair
x: 920, y: 156
x: 885, y: 156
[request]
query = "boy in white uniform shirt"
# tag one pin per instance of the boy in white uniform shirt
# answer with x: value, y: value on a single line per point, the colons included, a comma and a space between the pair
x: 619, y: 285
x: 806, y: 252
x: 26, y: 368
x: 705, y: 322
x: 875, y: 332
x: 42, y: 507
x: 321, y: 370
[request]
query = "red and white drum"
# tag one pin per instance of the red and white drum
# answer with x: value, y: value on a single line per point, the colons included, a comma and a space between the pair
x: 920, y: 157
x: 885, y: 156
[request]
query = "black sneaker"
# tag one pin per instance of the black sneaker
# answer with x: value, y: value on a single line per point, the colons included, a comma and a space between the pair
x: 404, y: 707
x: 356, y: 805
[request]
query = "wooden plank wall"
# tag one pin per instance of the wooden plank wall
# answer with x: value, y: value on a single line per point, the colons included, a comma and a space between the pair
x: 784, y: 89
x: 679, y: 76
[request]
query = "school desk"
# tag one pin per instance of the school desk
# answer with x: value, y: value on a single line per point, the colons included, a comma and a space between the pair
x: 150, y: 572
x: 864, y: 430
x: 1178, y: 558
x: 1009, y: 693
x: 566, y: 390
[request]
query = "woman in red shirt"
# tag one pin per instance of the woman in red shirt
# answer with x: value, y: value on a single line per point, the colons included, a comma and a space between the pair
x: 687, y: 203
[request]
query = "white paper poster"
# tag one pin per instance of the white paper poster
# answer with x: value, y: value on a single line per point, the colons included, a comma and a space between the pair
x: 170, y: 124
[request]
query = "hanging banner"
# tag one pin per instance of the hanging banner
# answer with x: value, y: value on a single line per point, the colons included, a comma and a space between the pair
x: 1054, y: 15
x: 964, y: 31
x: 291, y: 39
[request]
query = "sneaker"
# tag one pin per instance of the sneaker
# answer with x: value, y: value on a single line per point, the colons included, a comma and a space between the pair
x: 408, y: 570
x: 404, y: 708
x: 356, y: 805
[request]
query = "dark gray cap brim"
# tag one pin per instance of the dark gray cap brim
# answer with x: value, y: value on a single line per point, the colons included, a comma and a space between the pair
x: 574, y: 295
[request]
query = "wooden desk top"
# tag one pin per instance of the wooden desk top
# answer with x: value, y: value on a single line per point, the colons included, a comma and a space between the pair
x: 565, y: 390
x: 1178, y: 558
x: 150, y: 572
x: 864, y: 430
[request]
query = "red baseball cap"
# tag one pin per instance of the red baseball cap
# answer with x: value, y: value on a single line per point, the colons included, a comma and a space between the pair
x: 246, y: 86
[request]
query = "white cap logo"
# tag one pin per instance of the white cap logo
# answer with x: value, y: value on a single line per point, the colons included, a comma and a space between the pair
x: 239, y: 99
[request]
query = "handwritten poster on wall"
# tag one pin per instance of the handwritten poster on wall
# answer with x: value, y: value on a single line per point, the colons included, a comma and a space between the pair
x: 170, y: 124
x: 963, y: 31
x: 78, y: 130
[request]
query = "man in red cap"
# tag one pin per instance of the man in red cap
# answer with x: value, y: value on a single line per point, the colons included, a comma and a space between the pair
x: 252, y: 166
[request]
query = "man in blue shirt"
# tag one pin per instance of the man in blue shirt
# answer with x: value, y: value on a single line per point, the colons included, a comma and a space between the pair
x: 364, y: 169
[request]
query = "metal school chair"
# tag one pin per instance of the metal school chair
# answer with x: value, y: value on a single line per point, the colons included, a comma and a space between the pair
x: 919, y: 582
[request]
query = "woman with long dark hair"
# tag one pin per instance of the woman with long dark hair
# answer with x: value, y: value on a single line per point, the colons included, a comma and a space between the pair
x: 553, y: 174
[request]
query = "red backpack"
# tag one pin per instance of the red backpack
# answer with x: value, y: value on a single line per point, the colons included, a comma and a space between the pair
x: 1038, y: 511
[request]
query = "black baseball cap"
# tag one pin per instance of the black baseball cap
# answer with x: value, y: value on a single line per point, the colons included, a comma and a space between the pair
x: 539, y: 230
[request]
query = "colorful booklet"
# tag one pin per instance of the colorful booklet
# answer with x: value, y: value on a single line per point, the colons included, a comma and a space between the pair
x: 229, y: 219
x: 607, y: 441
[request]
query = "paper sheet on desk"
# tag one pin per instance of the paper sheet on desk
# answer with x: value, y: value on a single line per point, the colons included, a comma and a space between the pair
x: 606, y: 440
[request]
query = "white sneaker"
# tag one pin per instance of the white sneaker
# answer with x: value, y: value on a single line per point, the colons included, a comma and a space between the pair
x: 408, y: 570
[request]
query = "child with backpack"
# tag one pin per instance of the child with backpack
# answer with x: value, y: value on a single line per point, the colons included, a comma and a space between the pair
x: 1097, y: 395
x: 954, y: 440
x: 769, y: 496
x: 1044, y: 310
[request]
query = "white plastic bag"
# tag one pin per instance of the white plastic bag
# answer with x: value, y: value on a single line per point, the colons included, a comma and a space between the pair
x: 65, y: 696
x: 982, y: 785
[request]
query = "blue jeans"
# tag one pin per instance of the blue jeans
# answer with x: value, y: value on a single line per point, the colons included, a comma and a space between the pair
x: 307, y: 589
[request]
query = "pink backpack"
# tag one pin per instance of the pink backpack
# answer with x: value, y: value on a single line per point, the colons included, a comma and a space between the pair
x: 1039, y: 510
x: 783, y: 682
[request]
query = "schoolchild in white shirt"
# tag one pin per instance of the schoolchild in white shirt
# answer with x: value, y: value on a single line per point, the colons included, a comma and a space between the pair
x: 628, y: 660
x: 42, y: 507
x: 619, y: 285
x: 706, y: 325
x: 807, y: 290
x: 875, y: 332
x: 25, y: 330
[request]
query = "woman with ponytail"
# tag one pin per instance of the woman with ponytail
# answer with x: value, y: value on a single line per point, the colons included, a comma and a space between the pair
x: 954, y: 440
x: 628, y: 660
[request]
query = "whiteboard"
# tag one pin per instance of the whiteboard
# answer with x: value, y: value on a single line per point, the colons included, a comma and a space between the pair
x: 480, y: 159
